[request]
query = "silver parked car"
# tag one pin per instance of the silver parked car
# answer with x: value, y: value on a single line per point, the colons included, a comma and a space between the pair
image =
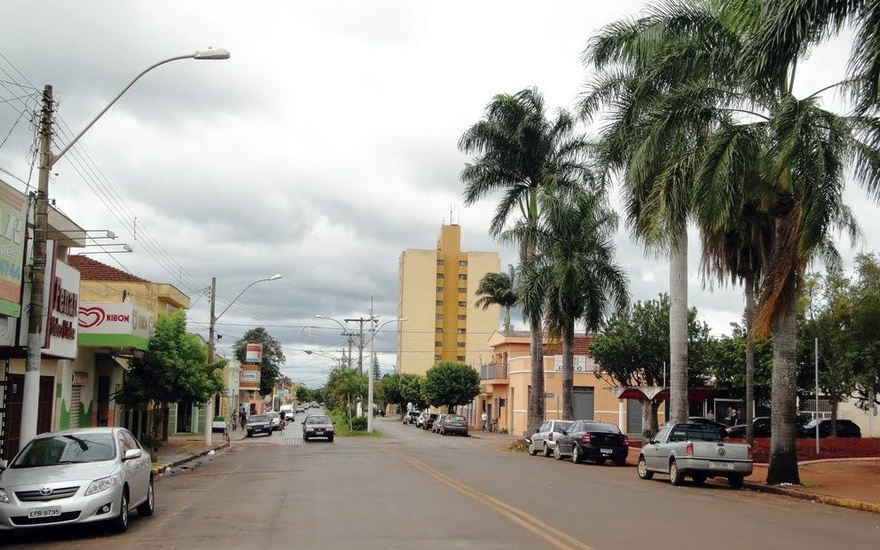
x: 546, y: 435
x: 76, y: 476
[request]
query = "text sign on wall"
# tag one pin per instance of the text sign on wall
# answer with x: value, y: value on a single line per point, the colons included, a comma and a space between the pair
x: 116, y: 318
x: 249, y: 379
x: 62, y: 301
x: 582, y: 363
x: 254, y: 353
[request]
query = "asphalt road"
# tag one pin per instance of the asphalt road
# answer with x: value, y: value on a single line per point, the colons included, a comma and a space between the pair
x: 414, y: 489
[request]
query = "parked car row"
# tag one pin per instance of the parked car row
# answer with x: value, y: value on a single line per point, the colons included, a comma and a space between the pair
x: 443, y: 424
x: 761, y: 428
x: 580, y: 440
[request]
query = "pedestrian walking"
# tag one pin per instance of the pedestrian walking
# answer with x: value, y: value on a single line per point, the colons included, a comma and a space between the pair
x: 484, y: 418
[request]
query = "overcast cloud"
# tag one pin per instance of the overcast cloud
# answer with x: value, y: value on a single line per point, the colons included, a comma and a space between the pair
x: 321, y: 150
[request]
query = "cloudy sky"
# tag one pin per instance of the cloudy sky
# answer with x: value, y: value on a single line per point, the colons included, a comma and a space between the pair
x: 324, y: 147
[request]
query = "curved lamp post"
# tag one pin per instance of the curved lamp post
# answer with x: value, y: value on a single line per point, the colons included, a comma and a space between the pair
x: 31, y: 389
x: 344, y: 333
x: 209, y: 407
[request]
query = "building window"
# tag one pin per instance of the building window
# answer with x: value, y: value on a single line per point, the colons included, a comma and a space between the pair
x: 439, y: 275
x: 439, y: 289
x: 462, y: 276
x: 439, y: 330
x: 462, y: 290
x: 439, y: 302
x: 438, y: 343
x: 462, y: 263
x: 439, y: 262
x: 462, y: 331
x: 462, y: 345
x: 462, y: 304
x: 439, y: 316
x: 461, y: 358
x: 462, y: 317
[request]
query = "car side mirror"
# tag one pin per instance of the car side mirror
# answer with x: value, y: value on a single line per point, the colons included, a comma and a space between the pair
x: 4, y: 464
x: 132, y: 454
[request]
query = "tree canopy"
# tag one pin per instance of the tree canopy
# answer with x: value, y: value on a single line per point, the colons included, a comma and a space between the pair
x: 451, y: 383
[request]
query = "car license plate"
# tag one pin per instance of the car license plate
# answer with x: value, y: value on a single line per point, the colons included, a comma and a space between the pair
x: 45, y: 512
x: 606, y: 451
x: 319, y: 432
x: 721, y: 465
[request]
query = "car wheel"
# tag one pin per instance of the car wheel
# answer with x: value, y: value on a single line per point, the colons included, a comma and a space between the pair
x: 250, y: 434
x: 675, y: 476
x: 305, y: 438
x: 532, y: 450
x: 556, y: 453
x: 330, y: 439
x: 120, y: 522
x: 699, y: 479
x: 735, y: 481
x: 644, y: 472
x: 547, y: 451
x: 147, y: 507
x: 575, y: 455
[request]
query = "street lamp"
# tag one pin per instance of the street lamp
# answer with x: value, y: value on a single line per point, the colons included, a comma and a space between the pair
x: 349, y: 334
x: 373, y: 322
x: 31, y: 389
x: 209, y: 407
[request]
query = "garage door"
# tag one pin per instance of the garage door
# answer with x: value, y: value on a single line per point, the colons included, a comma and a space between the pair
x: 633, y: 416
x: 584, y: 403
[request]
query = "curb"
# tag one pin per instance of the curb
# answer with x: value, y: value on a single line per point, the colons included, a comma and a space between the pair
x: 160, y: 467
x: 814, y: 497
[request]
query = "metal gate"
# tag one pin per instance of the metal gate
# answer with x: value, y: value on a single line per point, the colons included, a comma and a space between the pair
x: 75, y: 405
x: 584, y: 403
x: 633, y: 416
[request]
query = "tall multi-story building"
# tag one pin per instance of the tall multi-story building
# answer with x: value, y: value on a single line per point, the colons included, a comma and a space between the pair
x: 436, y: 294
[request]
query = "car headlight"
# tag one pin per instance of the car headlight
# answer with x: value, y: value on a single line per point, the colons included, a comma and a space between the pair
x: 3, y: 496
x: 102, y: 484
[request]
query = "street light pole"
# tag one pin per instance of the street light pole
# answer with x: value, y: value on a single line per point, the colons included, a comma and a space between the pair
x: 374, y: 320
x: 35, y: 339
x: 209, y: 406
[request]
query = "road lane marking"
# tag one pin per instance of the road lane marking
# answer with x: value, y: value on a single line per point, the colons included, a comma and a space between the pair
x: 522, y: 518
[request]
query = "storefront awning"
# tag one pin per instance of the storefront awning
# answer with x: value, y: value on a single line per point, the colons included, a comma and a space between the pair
x: 658, y: 393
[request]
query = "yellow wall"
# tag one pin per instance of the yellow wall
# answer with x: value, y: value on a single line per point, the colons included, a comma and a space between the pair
x: 160, y: 298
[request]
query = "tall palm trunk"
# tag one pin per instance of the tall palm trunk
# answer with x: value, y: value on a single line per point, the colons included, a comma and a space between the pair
x: 750, y: 358
x: 536, y: 398
x: 568, y: 373
x: 783, y: 466
x: 678, y: 337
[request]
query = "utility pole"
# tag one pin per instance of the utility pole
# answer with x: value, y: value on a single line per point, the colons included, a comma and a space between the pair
x: 209, y: 406
x: 35, y: 340
x: 360, y: 321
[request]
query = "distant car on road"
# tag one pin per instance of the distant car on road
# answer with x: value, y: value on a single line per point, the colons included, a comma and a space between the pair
x: 259, y: 424
x: 317, y: 425
x: 428, y: 422
x: 591, y: 440
x: 83, y: 475
x: 288, y: 411
x: 411, y: 417
x: 276, y: 420
x: 545, y: 436
x: 845, y: 428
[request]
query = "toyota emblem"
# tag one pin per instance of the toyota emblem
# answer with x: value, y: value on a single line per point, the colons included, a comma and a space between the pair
x: 46, y: 491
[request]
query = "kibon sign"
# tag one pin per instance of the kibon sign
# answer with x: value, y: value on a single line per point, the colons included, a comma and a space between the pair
x: 115, y: 325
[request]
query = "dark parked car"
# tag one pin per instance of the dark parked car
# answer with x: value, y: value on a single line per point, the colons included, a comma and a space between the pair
x: 429, y: 420
x: 596, y: 441
x: 719, y: 427
x: 845, y: 428
x: 760, y: 428
x: 317, y: 425
x: 411, y: 417
x: 454, y: 424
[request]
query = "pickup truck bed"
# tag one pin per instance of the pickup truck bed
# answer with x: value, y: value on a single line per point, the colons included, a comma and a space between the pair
x: 695, y: 451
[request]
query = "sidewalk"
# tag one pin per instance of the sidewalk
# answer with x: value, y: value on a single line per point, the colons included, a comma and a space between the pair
x: 183, y: 448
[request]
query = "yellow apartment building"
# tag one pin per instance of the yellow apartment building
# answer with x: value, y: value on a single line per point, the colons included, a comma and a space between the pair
x: 436, y: 294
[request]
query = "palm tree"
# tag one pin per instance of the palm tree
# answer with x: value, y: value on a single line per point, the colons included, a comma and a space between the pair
x: 756, y: 140
x: 498, y: 288
x: 518, y: 151
x: 584, y: 284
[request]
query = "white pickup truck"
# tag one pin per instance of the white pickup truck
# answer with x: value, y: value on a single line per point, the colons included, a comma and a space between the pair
x: 696, y: 451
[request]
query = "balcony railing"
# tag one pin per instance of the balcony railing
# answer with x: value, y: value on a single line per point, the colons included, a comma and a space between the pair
x: 493, y: 371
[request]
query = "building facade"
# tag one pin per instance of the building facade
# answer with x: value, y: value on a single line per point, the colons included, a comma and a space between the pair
x: 437, y: 294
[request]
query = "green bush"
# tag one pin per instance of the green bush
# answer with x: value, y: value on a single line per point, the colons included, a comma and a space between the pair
x: 359, y: 424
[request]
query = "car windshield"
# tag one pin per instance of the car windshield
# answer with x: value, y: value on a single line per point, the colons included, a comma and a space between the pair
x: 259, y: 418
x: 560, y: 426
x: 66, y: 449
x: 455, y: 417
x: 318, y: 420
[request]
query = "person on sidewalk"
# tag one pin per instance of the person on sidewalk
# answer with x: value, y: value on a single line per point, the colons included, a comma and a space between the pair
x: 484, y: 418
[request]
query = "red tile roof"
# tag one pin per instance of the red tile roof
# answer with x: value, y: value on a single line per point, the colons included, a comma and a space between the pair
x: 92, y: 270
